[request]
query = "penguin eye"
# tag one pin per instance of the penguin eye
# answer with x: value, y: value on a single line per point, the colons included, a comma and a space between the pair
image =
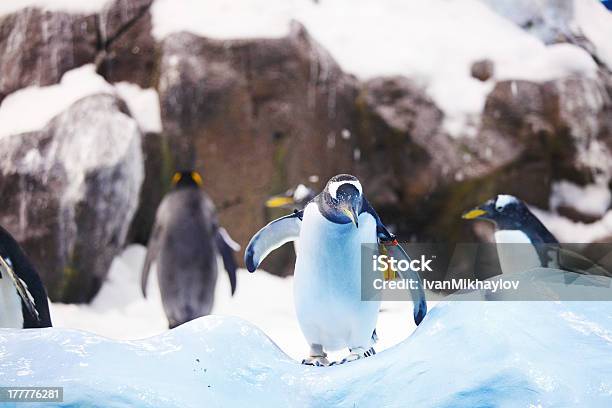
x: 500, y: 208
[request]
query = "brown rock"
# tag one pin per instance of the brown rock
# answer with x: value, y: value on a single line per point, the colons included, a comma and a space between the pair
x: 129, y: 50
x: 483, y: 69
x: 255, y: 117
x: 69, y: 192
x: 37, y: 47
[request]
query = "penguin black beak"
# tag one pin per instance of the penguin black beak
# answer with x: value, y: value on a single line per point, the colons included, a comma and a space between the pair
x: 352, y: 214
x: 475, y: 213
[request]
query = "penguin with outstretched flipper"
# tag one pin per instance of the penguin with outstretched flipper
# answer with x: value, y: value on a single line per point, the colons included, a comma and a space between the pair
x: 330, y: 232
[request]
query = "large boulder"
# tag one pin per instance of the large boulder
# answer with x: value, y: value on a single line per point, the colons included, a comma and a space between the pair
x: 409, y: 161
x: 69, y: 192
x: 37, y: 47
x: 255, y: 117
x: 422, y: 178
x: 128, y: 48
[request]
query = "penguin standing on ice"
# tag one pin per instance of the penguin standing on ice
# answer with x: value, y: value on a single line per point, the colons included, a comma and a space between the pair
x: 330, y: 232
x: 185, y: 241
x: 523, y: 242
x: 23, y: 299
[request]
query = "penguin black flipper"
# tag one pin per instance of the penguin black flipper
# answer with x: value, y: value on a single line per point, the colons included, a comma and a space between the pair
x: 575, y: 262
x: 270, y: 237
x: 30, y: 288
x: 226, y: 247
x: 396, y: 251
x: 153, y: 248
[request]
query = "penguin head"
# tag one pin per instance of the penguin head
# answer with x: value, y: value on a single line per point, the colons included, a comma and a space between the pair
x: 505, y: 211
x: 296, y: 198
x: 186, y: 178
x: 343, y: 199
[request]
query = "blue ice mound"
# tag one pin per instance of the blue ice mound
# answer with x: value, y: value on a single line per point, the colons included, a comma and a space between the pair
x: 464, y: 354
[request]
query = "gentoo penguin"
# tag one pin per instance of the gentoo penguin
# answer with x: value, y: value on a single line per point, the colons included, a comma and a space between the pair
x: 327, y: 280
x: 523, y: 242
x: 294, y: 198
x: 185, y: 241
x: 23, y: 299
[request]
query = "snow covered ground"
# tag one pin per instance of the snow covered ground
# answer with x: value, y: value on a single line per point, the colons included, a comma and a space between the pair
x: 120, y: 311
x: 464, y: 354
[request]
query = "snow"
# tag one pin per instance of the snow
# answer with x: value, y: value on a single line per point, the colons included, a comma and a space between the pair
x: 119, y: 311
x: 592, y: 199
x: 31, y: 108
x: 143, y: 105
x: 566, y: 230
x: 464, y: 354
x: 433, y: 42
x: 595, y: 22
x: 70, y: 6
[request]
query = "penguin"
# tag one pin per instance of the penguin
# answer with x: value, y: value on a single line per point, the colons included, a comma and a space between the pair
x: 327, y: 279
x: 185, y: 241
x: 294, y: 198
x: 537, y: 246
x: 23, y: 298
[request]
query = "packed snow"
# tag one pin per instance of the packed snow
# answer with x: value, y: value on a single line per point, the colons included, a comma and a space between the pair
x: 143, y: 105
x: 595, y: 23
x: 30, y: 109
x: 464, y: 354
x: 119, y: 311
x: 433, y: 42
x: 592, y: 199
x: 566, y: 230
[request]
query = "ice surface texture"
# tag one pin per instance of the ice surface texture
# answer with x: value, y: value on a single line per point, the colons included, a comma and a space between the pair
x: 464, y: 354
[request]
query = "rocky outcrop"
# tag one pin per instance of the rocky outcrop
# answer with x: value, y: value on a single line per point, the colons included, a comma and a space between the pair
x: 255, y: 116
x: 69, y: 192
x: 127, y: 46
x: 37, y: 47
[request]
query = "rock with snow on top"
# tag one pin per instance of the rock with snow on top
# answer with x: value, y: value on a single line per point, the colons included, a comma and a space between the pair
x: 70, y: 190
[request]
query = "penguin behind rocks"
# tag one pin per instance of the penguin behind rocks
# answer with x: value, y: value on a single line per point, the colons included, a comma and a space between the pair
x: 524, y: 243
x: 330, y: 232
x: 185, y: 241
x: 294, y: 198
x: 23, y: 299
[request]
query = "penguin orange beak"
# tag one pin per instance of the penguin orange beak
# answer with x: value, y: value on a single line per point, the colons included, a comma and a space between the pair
x: 279, y: 201
x: 472, y: 214
x: 352, y: 214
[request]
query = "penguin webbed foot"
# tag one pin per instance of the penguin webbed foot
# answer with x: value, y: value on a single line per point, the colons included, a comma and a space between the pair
x: 317, y: 358
x: 316, y: 361
x: 357, y: 353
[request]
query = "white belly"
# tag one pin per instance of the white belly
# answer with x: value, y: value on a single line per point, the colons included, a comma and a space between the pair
x: 327, y: 285
x: 515, y: 251
x: 11, y: 315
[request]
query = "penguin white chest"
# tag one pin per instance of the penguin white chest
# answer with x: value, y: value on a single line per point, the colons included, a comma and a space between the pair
x: 11, y: 315
x: 327, y: 282
x: 516, y: 252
